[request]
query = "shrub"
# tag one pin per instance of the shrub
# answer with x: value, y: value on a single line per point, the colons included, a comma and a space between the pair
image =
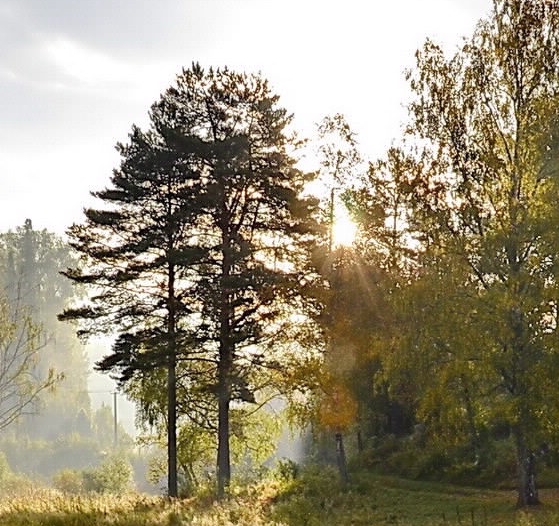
x: 10, y: 482
x: 5, y: 470
x: 69, y: 481
x: 286, y: 470
x: 115, y: 476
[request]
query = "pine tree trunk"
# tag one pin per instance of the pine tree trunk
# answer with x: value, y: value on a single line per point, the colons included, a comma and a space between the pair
x: 223, y: 450
x: 172, y: 429
x: 225, y: 364
x: 172, y: 483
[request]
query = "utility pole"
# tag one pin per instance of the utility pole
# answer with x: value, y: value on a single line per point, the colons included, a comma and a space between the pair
x: 115, y: 420
x: 331, y: 218
x: 339, y: 438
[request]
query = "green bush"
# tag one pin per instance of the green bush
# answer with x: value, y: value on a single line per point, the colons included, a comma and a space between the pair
x: 286, y: 470
x: 494, y: 466
x: 308, y: 499
x: 11, y: 482
x: 47, y: 458
x: 114, y: 476
x: 5, y: 470
x: 424, y: 464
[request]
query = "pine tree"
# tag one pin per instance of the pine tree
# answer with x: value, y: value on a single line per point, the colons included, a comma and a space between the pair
x: 199, y: 251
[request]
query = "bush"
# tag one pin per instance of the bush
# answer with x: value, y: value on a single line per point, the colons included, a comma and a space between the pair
x: 495, y: 465
x: 47, y: 458
x: 69, y: 481
x: 5, y: 470
x: 286, y: 470
x: 11, y: 482
x: 115, y: 476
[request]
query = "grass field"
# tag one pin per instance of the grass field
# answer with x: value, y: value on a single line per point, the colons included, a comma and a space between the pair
x: 312, y: 500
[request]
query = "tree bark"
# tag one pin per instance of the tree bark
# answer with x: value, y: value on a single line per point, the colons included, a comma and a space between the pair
x: 470, y: 416
x: 225, y: 364
x: 223, y: 450
x: 360, y: 445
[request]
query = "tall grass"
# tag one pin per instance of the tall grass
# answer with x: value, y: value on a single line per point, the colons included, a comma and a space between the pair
x: 53, y: 508
x: 313, y: 498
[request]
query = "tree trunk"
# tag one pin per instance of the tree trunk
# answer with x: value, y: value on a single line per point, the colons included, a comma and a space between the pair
x: 172, y: 429
x: 360, y: 445
x: 226, y: 351
x: 526, y: 463
x: 525, y: 459
x: 223, y: 450
x: 172, y: 484
x: 341, y: 458
x: 470, y: 416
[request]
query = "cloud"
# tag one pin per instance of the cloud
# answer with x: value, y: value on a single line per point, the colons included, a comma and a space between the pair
x: 74, y: 74
x: 127, y: 25
x: 84, y: 65
x: 64, y: 43
x: 89, y: 68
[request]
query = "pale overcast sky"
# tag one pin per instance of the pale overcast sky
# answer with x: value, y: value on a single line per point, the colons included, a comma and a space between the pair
x: 75, y: 75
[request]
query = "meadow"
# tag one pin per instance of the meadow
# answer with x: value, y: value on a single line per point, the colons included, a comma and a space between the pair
x: 313, y: 499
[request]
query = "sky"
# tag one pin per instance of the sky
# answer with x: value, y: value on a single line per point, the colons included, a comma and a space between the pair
x: 76, y: 74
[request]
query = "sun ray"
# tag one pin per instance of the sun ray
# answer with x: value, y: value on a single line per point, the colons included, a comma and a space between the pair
x: 344, y: 229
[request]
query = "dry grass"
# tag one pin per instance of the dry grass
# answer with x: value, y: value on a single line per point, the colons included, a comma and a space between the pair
x: 313, y: 500
x: 52, y: 508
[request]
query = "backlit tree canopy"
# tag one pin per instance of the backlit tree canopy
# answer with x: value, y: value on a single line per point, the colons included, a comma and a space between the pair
x: 485, y: 192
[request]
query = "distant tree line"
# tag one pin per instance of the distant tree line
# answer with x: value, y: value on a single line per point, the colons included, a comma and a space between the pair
x: 46, y: 417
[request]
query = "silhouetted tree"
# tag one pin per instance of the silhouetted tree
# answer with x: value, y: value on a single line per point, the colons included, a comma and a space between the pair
x: 202, y: 243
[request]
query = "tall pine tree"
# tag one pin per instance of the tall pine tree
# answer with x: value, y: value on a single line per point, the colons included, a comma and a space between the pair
x: 200, y: 249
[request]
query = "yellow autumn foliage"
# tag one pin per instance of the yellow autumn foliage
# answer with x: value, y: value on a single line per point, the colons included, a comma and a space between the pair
x: 338, y: 409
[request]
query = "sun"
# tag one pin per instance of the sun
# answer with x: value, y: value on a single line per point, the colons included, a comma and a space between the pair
x: 344, y: 230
